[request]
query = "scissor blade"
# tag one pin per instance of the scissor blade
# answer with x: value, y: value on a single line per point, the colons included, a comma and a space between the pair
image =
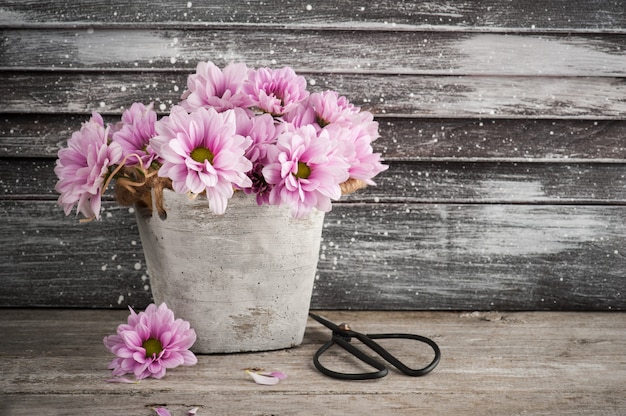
x: 325, y: 322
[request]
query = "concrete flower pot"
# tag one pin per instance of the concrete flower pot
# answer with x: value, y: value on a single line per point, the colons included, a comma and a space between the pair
x: 243, y: 279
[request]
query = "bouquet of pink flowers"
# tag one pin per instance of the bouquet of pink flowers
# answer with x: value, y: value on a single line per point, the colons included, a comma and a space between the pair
x: 237, y: 129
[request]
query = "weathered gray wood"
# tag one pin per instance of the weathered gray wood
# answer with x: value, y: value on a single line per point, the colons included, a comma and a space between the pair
x: 50, y: 261
x: 42, y: 135
x: 374, y: 256
x: 503, y: 124
x: 416, y: 53
x: 494, y: 256
x: 448, y: 97
x: 519, y: 15
x: 492, y: 183
x: 54, y: 363
x: 549, y: 140
x: 410, y: 181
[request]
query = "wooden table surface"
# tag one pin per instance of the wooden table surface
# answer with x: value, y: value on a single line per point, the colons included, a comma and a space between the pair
x: 53, y: 362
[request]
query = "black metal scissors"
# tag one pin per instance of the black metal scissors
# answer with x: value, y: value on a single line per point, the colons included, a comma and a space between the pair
x: 342, y: 334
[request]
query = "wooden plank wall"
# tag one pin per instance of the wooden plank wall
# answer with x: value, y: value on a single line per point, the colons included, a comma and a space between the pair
x: 503, y: 122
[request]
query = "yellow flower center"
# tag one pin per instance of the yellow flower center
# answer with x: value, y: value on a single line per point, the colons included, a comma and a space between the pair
x: 303, y: 171
x: 152, y: 347
x: 321, y: 122
x: 200, y: 154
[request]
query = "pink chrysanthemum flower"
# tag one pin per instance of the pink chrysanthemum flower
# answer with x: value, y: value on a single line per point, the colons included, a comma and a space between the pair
x: 275, y: 91
x: 201, y: 152
x: 365, y: 121
x: 357, y: 150
x: 263, y: 132
x: 321, y: 109
x: 261, y: 129
x: 330, y: 107
x: 150, y: 343
x: 306, y: 171
x: 135, y: 132
x: 259, y: 188
x: 217, y: 89
x: 83, y: 168
x: 302, y: 114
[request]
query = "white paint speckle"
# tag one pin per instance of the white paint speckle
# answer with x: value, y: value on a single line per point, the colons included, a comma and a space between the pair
x: 309, y: 7
x: 137, y: 266
x: 120, y: 299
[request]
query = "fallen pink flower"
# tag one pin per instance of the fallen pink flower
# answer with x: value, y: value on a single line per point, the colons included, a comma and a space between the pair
x: 150, y: 343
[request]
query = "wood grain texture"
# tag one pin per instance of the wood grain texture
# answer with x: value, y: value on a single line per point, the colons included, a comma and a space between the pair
x: 509, y: 363
x: 52, y: 263
x: 390, y: 52
x: 503, y: 124
x: 42, y: 135
x: 419, y: 96
x: 499, y: 256
x: 519, y: 15
x: 373, y: 256
x: 413, y: 182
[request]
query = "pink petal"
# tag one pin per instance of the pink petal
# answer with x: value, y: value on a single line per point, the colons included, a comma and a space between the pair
x: 278, y: 374
x: 192, y: 411
x: 188, y: 357
x: 172, y: 361
x: 263, y: 379
x: 123, y: 380
x: 162, y: 411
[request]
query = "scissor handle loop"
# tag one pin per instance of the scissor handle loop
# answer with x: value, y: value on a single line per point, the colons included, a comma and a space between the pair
x: 368, y: 340
x: 382, y: 370
x: 342, y: 335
